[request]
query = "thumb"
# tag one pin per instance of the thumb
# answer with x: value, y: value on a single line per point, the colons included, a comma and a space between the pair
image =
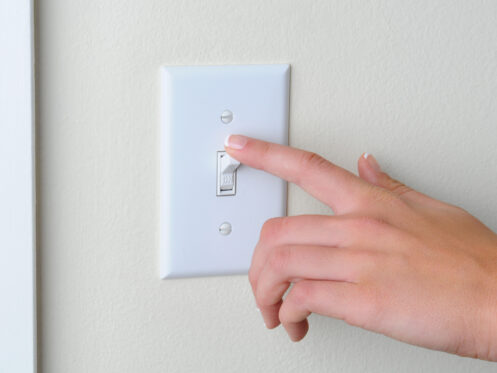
x: 370, y: 170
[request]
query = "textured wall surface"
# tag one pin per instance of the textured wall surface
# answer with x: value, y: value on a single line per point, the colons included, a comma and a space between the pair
x: 413, y: 82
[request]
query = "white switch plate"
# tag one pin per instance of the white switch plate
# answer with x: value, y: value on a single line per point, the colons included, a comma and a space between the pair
x: 193, y: 99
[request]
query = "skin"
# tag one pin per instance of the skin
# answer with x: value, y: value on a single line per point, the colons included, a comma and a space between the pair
x: 391, y: 260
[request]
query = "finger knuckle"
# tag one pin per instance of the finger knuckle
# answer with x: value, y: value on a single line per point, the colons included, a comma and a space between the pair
x: 311, y: 159
x: 274, y: 228
x: 300, y: 293
x: 310, y: 162
x: 396, y: 186
x: 262, y: 298
x: 279, y: 258
x: 371, y: 197
x: 369, y: 312
x: 265, y: 153
x: 401, y: 260
x: 361, y: 223
x: 365, y: 264
x: 270, y: 229
x: 393, y: 200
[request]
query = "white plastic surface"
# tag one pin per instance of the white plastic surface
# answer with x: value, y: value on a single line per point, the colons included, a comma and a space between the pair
x: 192, y: 215
x: 17, y: 189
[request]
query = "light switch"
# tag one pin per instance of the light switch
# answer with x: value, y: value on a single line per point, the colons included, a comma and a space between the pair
x: 226, y: 174
x: 212, y: 208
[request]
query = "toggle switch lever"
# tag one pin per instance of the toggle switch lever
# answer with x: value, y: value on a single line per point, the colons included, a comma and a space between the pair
x: 226, y: 174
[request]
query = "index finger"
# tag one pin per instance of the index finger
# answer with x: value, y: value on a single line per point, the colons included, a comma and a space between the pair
x: 334, y: 186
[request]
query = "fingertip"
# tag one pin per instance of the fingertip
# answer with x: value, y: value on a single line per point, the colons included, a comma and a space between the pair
x: 368, y: 168
x: 363, y: 160
x: 236, y: 142
x: 297, y: 331
x: 270, y: 321
x: 273, y: 326
x: 363, y: 167
x: 226, y: 141
x: 372, y: 162
x: 270, y: 315
x: 231, y: 152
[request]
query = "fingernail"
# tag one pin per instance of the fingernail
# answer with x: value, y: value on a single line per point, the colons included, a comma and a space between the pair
x: 372, y: 162
x: 235, y: 141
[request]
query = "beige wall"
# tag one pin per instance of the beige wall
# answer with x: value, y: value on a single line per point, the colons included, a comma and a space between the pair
x: 413, y: 82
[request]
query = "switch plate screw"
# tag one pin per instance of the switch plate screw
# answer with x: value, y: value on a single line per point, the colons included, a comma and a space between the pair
x: 225, y: 228
x: 226, y: 116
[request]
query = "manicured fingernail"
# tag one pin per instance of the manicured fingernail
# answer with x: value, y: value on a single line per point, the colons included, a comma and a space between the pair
x: 235, y: 141
x: 372, y: 162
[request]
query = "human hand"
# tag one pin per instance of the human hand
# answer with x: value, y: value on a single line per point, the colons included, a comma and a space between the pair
x: 391, y: 260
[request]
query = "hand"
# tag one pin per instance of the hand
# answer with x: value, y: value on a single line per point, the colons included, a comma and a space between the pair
x: 391, y: 260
